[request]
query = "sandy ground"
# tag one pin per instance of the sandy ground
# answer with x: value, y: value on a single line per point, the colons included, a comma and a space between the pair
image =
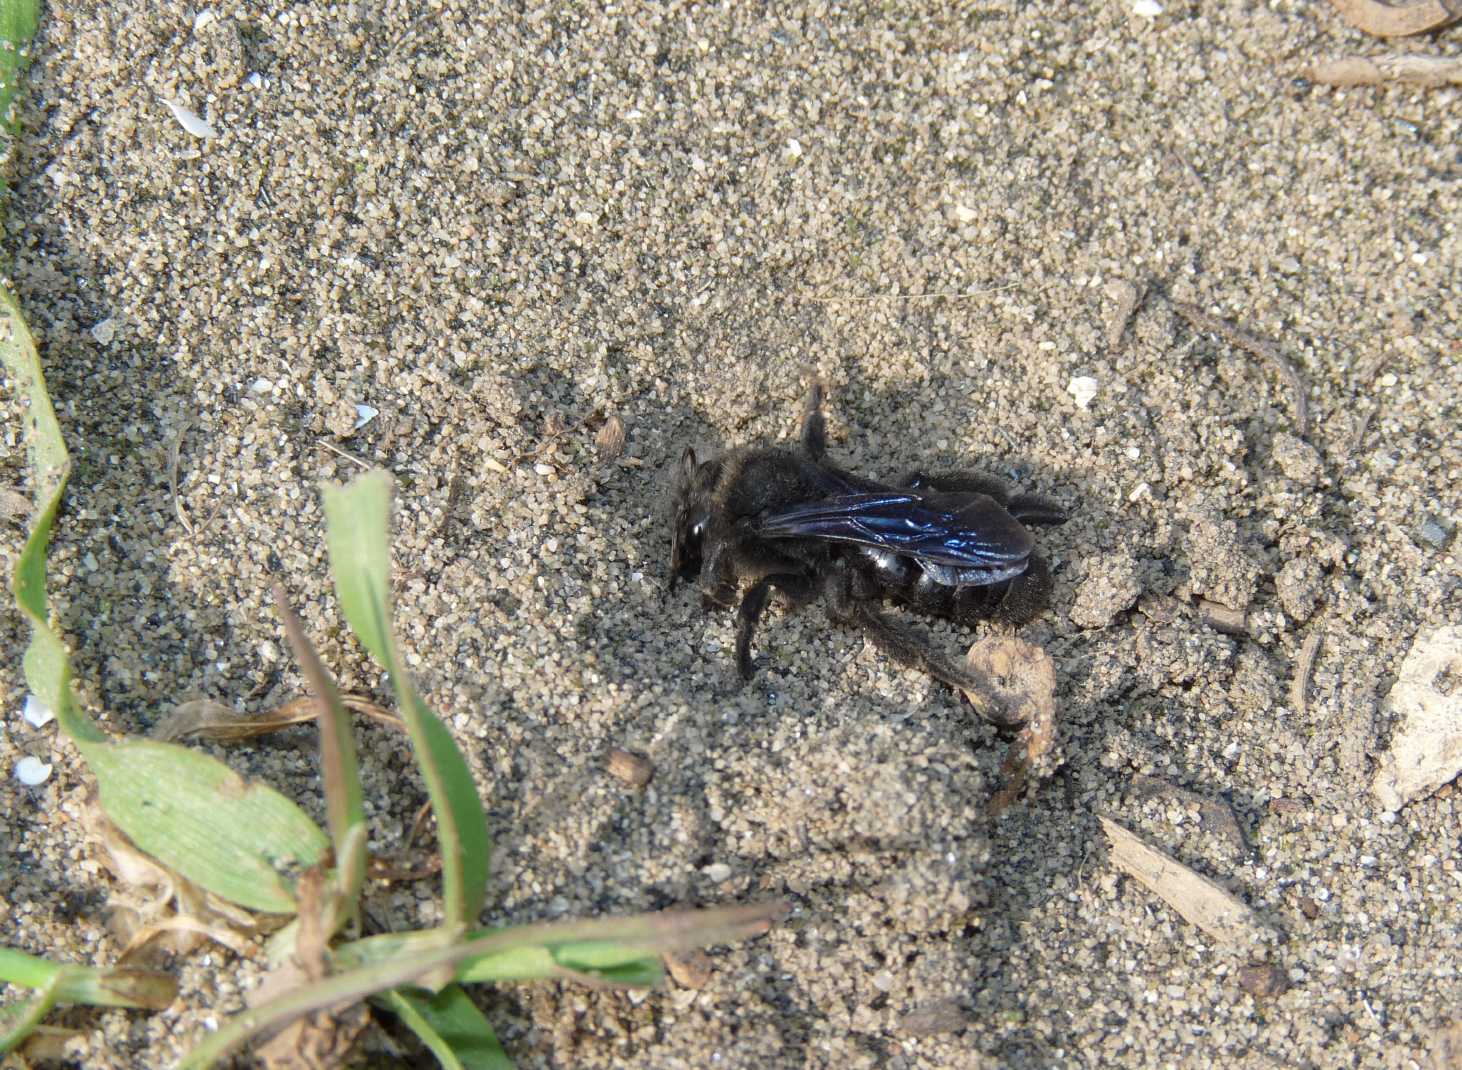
x: 492, y: 227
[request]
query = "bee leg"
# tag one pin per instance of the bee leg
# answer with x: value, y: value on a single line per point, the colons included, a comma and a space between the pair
x: 797, y: 589
x: 1027, y: 595
x: 814, y: 427
x: 973, y: 482
x: 909, y: 648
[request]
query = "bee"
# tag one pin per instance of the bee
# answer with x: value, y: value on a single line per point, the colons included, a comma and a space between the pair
x: 787, y: 520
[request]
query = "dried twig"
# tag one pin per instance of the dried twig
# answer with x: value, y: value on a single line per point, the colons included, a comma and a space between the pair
x: 1201, y: 902
x: 1223, y: 618
x: 1398, y: 20
x: 1367, y: 70
x: 952, y: 295
x: 175, y: 450
x: 1358, y: 436
x: 1259, y: 347
x: 323, y: 444
x: 1299, y: 687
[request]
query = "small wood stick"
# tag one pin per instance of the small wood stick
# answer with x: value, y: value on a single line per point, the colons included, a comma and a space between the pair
x: 1299, y: 687
x: 1398, y: 20
x: 1366, y: 70
x: 1259, y: 347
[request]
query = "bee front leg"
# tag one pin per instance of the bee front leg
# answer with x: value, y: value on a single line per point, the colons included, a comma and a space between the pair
x: 797, y: 589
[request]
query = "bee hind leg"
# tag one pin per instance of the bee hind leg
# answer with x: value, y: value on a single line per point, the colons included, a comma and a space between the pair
x: 908, y: 647
x: 814, y: 425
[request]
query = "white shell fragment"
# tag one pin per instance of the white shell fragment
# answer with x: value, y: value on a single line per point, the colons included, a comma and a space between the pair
x: 32, y: 771
x: 364, y: 414
x: 794, y: 148
x: 1426, y: 702
x: 1083, y: 388
x: 36, y: 713
x: 1147, y: 9
x: 190, y: 120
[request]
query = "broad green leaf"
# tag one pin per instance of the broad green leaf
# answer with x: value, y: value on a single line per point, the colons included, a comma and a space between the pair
x: 449, y: 1024
x: 243, y: 841
x: 18, y: 21
x: 357, y: 519
x: 339, y: 769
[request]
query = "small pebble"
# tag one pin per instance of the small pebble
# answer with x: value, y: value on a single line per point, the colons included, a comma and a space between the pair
x: 718, y: 872
x: 104, y: 331
x: 1147, y: 9
x: 631, y: 769
x: 1433, y: 532
x: 1297, y: 459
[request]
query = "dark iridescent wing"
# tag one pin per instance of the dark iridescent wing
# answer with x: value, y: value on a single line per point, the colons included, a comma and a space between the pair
x: 961, y: 529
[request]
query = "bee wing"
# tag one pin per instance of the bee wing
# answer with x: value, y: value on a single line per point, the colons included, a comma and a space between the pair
x: 962, y: 529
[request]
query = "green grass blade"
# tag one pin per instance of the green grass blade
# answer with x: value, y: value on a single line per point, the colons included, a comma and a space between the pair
x: 115, y: 987
x: 652, y: 933
x: 357, y: 519
x: 449, y: 1024
x: 18, y: 21
x: 66, y: 983
x: 27, y: 971
x: 47, y: 670
x: 339, y: 768
x: 18, y: 1020
x: 239, y: 839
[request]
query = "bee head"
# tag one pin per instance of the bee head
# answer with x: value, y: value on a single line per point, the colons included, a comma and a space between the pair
x: 690, y: 507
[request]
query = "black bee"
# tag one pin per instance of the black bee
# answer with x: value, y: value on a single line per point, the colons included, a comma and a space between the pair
x: 952, y: 546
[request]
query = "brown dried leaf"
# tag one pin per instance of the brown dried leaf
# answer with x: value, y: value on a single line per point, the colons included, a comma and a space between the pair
x: 1200, y: 902
x: 209, y: 720
x: 1263, y: 980
x: 691, y: 969
x: 611, y: 438
x: 324, y: 1040
x: 941, y: 1016
x: 163, y: 912
x: 1022, y: 677
x: 13, y: 505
